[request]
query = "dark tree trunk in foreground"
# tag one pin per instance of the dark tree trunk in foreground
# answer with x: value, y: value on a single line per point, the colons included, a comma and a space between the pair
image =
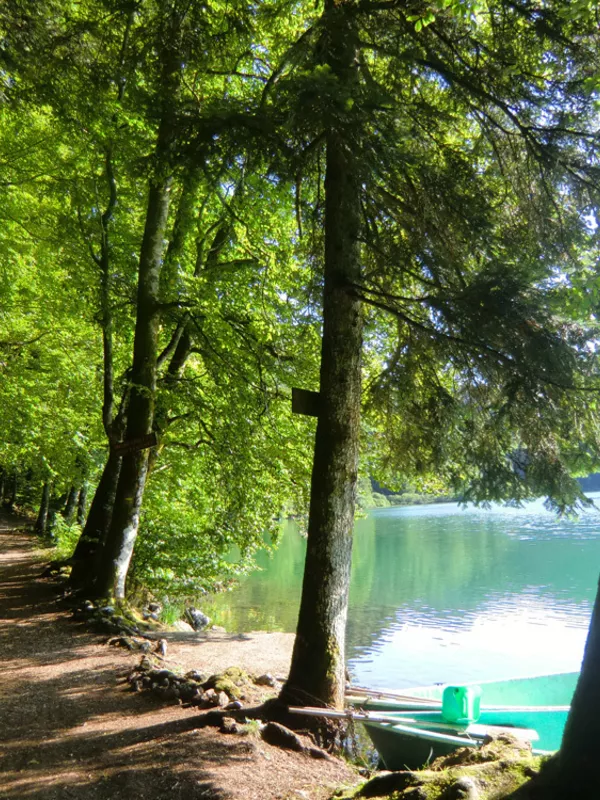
x: 576, y: 772
x: 96, y: 527
x: 317, y: 671
x: 41, y: 523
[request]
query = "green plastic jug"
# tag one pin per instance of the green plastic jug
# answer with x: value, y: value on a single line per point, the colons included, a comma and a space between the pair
x: 461, y: 704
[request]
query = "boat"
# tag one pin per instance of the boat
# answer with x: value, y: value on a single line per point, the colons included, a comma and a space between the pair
x: 538, y: 690
x: 412, y: 727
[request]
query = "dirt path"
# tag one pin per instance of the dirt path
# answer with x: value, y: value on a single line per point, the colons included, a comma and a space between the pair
x: 68, y: 730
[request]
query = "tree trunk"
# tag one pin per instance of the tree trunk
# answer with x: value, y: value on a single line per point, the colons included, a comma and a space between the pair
x: 81, y: 504
x: 41, y: 523
x: 120, y: 540
x: 2, y: 485
x: 118, y: 548
x: 317, y: 671
x: 576, y: 768
x: 69, y: 509
x: 11, y: 499
x: 96, y: 527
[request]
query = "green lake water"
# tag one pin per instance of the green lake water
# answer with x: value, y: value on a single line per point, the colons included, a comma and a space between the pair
x: 442, y: 593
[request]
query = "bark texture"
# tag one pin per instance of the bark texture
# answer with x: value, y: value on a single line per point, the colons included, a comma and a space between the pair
x: 577, y: 772
x: 318, y: 665
x: 82, y: 504
x: 120, y: 540
x: 69, y: 509
x: 96, y: 526
x: 41, y: 523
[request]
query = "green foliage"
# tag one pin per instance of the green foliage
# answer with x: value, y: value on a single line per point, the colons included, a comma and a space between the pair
x: 64, y: 538
x: 474, y: 125
x: 171, y: 612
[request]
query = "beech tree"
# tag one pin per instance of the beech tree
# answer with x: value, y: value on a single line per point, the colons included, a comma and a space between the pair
x: 206, y: 341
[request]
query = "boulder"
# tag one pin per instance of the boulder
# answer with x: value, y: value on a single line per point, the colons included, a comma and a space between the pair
x: 266, y: 680
x: 183, y: 626
x: 198, y: 620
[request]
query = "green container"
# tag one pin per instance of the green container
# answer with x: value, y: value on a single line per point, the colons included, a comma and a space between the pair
x: 461, y: 704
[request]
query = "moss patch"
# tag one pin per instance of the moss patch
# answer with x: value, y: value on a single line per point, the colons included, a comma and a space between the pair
x: 232, y: 681
x: 491, y: 772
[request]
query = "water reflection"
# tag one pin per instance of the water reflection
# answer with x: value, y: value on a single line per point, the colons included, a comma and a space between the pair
x: 444, y: 593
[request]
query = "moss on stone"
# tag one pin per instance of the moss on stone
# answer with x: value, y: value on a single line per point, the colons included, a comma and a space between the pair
x: 496, y: 769
x: 231, y: 681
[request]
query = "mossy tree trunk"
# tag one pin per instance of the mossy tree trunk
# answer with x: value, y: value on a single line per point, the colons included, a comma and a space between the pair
x: 317, y: 671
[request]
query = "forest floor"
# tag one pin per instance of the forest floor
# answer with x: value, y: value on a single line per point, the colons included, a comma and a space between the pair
x: 70, y: 729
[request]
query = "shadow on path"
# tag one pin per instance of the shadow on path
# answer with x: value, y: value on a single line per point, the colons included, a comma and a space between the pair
x: 66, y: 729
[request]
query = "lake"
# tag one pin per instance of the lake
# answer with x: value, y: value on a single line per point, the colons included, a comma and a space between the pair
x: 441, y: 593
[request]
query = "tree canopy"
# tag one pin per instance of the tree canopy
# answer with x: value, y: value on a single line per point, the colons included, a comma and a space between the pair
x: 198, y: 198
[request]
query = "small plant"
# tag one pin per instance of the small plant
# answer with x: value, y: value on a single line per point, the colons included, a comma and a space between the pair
x: 171, y: 612
x: 64, y: 537
x: 251, y: 727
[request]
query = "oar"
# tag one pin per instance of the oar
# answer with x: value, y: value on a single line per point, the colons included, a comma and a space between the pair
x: 374, y: 693
x: 475, y: 731
x: 428, y: 703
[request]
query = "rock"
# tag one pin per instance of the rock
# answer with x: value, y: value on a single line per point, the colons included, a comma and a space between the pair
x: 194, y: 675
x: 463, y: 788
x: 235, y: 705
x: 229, y: 725
x: 155, y: 608
x: 218, y: 629
x: 122, y: 641
x: 266, y: 680
x: 182, y: 625
x: 387, y: 783
x: 222, y: 699
x: 161, y: 647
x: 229, y: 682
x: 418, y: 793
x: 108, y: 609
x: 145, y: 647
x: 188, y: 690
x: 196, y: 618
x: 199, y: 701
x: 160, y: 675
x: 166, y: 693
x: 210, y: 698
